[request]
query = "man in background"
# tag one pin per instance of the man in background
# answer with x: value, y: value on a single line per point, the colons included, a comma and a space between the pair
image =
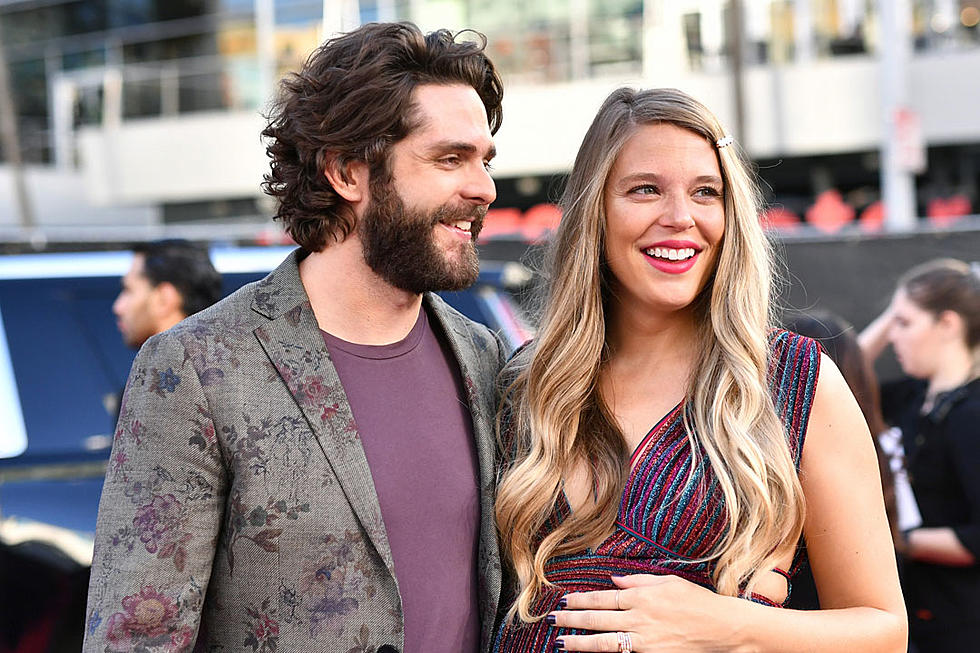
x: 167, y: 281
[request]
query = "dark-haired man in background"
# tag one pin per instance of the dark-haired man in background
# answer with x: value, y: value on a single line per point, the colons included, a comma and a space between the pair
x: 309, y: 464
x: 167, y: 281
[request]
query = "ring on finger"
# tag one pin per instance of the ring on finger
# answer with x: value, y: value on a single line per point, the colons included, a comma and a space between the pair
x: 625, y: 642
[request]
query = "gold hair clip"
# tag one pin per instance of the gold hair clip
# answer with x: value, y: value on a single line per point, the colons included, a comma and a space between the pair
x: 724, y: 141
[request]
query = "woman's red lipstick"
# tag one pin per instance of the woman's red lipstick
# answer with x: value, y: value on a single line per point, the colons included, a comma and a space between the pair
x: 686, y: 252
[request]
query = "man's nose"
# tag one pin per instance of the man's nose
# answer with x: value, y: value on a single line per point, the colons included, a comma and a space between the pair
x: 480, y: 187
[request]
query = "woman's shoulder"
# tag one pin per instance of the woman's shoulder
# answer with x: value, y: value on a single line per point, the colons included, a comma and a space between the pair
x: 508, y: 436
x: 973, y: 390
x: 517, y: 361
x: 960, y: 410
x: 784, y: 339
x: 794, y: 366
x: 792, y: 356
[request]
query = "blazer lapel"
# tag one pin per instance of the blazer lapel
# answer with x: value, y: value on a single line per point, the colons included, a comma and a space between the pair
x: 293, y: 343
x: 472, y: 373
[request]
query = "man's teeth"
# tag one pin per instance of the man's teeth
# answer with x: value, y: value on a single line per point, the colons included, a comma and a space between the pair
x: 670, y: 254
x: 463, y: 224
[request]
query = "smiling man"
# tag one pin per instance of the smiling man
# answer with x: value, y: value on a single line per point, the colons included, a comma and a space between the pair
x: 309, y: 464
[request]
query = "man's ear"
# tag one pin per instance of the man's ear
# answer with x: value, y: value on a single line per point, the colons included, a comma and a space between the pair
x: 168, y: 298
x: 349, y: 178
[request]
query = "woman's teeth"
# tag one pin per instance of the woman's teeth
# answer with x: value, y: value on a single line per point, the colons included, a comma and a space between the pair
x: 669, y: 254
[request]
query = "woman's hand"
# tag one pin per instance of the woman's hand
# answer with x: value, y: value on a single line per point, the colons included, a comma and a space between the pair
x: 659, y: 613
x: 874, y: 338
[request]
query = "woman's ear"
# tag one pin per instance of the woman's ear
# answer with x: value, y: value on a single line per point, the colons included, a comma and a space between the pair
x: 348, y: 178
x: 952, y: 324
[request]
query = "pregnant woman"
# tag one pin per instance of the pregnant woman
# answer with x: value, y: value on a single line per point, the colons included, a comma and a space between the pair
x: 668, y: 453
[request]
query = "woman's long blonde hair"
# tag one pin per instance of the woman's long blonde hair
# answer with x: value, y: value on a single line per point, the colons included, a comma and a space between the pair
x: 553, y: 418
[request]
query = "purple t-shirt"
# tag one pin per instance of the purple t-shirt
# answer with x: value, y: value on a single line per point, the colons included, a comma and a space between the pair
x: 414, y: 421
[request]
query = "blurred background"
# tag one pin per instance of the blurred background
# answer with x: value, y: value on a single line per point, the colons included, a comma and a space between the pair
x: 143, y: 114
x: 130, y: 120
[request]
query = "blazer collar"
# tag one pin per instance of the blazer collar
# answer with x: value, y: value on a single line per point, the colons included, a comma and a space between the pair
x: 281, y: 291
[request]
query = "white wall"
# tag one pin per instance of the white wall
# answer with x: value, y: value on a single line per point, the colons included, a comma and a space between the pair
x: 945, y: 91
x: 825, y: 106
x: 183, y: 158
x: 61, y: 198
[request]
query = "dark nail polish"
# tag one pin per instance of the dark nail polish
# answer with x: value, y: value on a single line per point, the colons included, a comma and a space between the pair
x: 551, y: 619
x: 562, y: 603
x: 559, y: 645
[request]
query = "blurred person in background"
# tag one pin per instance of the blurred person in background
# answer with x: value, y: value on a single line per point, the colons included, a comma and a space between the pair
x: 167, y: 281
x: 42, y: 598
x: 838, y: 339
x: 655, y: 487
x: 308, y: 465
x: 933, y: 326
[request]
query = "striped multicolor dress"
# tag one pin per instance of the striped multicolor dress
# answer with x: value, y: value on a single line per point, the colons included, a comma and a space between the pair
x: 668, y: 518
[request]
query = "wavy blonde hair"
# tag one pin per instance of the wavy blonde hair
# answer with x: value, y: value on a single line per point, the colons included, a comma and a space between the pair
x: 553, y: 417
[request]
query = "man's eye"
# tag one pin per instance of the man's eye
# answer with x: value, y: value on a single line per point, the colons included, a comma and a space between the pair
x: 450, y: 160
x: 488, y: 164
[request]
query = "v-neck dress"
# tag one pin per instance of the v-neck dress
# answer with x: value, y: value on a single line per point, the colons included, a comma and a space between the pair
x: 670, y: 517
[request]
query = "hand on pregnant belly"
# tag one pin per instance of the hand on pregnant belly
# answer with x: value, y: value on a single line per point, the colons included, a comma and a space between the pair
x: 660, y: 613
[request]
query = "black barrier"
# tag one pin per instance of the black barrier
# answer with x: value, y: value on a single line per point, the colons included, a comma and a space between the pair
x: 855, y: 276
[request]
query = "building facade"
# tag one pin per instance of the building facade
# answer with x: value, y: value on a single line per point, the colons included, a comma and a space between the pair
x: 148, y: 112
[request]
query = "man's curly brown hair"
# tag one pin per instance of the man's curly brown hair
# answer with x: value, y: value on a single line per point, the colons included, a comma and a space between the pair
x: 351, y: 102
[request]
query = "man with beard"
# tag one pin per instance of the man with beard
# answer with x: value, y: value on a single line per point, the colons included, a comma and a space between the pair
x: 308, y: 465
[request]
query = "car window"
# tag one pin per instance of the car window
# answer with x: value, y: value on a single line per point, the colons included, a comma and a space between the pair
x: 68, y: 362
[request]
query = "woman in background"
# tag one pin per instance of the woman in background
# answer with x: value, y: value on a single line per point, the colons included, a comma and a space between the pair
x: 838, y: 339
x: 654, y: 430
x: 933, y: 325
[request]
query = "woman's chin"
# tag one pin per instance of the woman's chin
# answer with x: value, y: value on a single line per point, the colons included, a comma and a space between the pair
x: 913, y: 372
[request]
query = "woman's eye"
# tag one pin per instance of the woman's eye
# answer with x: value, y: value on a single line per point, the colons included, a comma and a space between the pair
x: 645, y: 189
x: 708, y: 191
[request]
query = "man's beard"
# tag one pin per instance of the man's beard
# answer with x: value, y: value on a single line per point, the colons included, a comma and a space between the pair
x: 399, y: 243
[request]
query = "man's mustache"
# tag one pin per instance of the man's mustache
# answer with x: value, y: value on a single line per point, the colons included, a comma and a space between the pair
x: 473, y: 214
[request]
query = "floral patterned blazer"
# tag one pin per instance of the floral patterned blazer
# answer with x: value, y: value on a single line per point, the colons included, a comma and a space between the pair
x: 238, y: 505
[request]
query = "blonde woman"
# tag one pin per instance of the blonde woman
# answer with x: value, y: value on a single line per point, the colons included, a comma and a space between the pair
x: 656, y: 488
